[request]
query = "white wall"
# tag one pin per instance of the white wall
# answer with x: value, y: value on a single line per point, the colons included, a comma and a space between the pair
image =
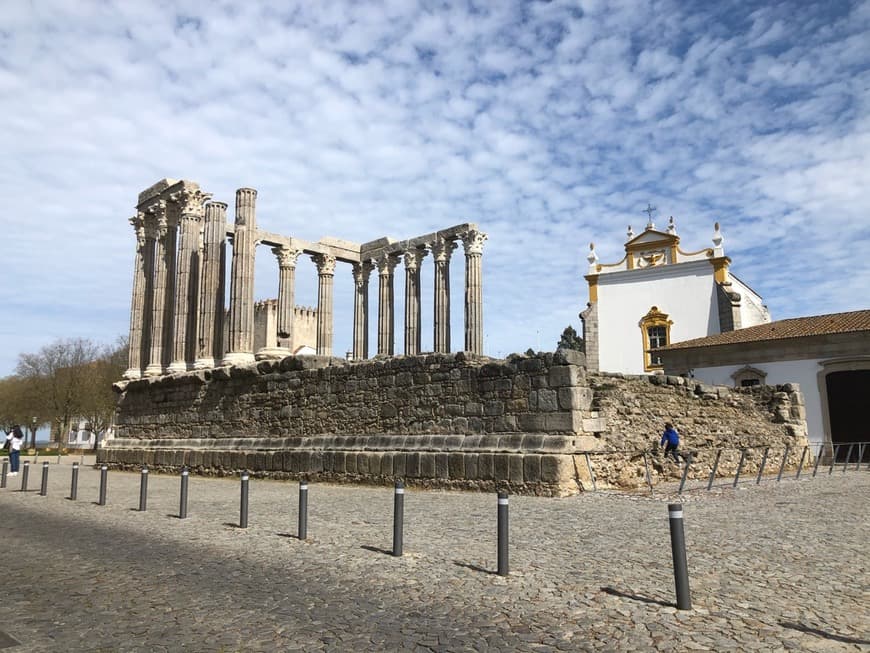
x: 752, y: 308
x: 685, y: 292
x: 803, y: 372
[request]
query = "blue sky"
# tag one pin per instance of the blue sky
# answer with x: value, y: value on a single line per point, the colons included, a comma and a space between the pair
x: 550, y: 124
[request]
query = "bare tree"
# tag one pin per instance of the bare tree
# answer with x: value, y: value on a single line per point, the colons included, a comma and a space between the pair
x: 98, y: 400
x: 58, y: 373
x: 19, y: 403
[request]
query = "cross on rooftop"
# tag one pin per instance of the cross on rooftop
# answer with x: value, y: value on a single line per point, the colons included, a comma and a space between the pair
x: 649, y: 210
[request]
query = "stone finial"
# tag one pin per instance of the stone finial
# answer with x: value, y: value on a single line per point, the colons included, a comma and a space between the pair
x: 325, y: 264
x: 286, y: 256
x: 361, y: 272
x: 414, y: 257
x: 473, y: 242
x: 442, y: 249
x: 592, y: 258
x: 630, y: 232
x: 718, y: 239
x: 672, y: 228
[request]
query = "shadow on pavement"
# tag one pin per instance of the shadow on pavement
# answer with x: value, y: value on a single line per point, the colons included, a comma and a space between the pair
x: 823, y: 633
x: 636, y: 597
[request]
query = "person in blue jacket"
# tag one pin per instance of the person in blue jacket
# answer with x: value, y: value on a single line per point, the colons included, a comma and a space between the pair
x: 671, y: 440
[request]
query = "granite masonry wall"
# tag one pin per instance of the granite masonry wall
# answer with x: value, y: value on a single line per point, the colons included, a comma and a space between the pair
x: 439, y: 420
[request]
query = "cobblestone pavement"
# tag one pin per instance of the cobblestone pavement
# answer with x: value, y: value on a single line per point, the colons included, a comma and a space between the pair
x: 776, y: 566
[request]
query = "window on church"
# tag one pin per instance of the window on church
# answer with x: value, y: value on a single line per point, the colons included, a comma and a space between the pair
x: 747, y: 376
x: 656, y: 329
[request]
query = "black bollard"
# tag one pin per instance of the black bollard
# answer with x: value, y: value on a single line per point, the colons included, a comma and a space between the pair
x: 591, y: 472
x: 398, y: 517
x: 834, y: 453
x: 713, y: 472
x: 761, y: 466
x: 182, y: 506
x: 782, y: 464
x: 43, y: 488
x: 243, y: 509
x: 801, y: 463
x: 74, y: 483
x: 739, y: 466
x: 503, y: 534
x: 25, y: 472
x: 302, y: 532
x: 678, y: 550
x: 143, y: 489
x: 104, y: 476
x: 685, y: 475
x: 848, y: 457
x: 4, y: 472
x: 818, y: 459
x: 646, y: 469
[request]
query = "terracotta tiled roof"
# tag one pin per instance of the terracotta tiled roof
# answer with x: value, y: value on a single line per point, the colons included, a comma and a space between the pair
x: 798, y: 327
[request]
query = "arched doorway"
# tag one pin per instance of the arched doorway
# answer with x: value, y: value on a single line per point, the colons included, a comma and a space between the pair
x: 846, y: 394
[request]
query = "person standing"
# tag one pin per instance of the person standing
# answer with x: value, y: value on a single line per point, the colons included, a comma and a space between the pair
x: 16, y: 439
x: 671, y: 440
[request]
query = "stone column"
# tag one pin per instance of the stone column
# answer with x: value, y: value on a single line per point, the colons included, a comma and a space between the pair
x: 473, y: 243
x: 413, y: 259
x: 325, y: 276
x: 134, y: 367
x: 441, y: 252
x: 240, y: 350
x: 286, y: 290
x: 212, y: 287
x: 386, y: 264
x: 361, y: 272
x: 189, y: 203
x: 158, y: 212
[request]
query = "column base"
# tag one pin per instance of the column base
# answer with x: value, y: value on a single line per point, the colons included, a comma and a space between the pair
x: 154, y: 369
x: 203, y: 363
x: 238, y: 358
x: 272, y: 353
x: 132, y: 374
x: 176, y: 367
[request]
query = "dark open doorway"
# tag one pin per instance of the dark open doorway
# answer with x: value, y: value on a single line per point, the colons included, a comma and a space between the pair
x: 848, y: 396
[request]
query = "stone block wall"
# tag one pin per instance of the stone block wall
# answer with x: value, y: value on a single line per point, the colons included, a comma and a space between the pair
x: 435, y: 420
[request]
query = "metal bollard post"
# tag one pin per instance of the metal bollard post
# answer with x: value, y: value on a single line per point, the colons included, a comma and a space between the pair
x: 591, y: 473
x: 398, y: 517
x: 761, y: 466
x: 302, y: 532
x: 860, y: 456
x: 646, y: 469
x: 818, y: 459
x: 834, y: 453
x: 503, y: 534
x: 685, y: 473
x: 678, y: 550
x: 848, y: 457
x: 713, y: 472
x: 25, y: 472
x: 104, y: 475
x: 43, y: 488
x: 143, y: 489
x: 784, y: 461
x: 74, y: 482
x: 182, y: 505
x: 739, y: 466
x: 801, y: 463
x: 4, y: 472
x: 243, y: 508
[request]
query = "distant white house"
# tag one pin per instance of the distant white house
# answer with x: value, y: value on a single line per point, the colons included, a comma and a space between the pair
x: 81, y: 436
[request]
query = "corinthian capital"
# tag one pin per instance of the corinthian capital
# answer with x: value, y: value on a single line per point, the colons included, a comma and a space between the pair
x: 414, y: 258
x: 159, y: 217
x: 325, y: 264
x: 361, y: 272
x: 473, y: 242
x: 190, y: 203
x: 386, y: 264
x: 443, y: 249
x: 138, y: 223
x: 286, y: 257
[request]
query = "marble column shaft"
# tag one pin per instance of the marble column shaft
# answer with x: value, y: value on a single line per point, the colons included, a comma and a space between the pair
x: 134, y: 367
x: 159, y: 294
x: 241, y: 318
x: 325, y: 277
x: 473, y: 243
x: 386, y: 264
x: 413, y: 260
x: 361, y: 272
x: 286, y: 293
x: 441, y: 252
x: 212, y: 287
x: 189, y: 204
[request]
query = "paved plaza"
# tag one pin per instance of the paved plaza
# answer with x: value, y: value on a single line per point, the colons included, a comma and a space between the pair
x: 776, y: 566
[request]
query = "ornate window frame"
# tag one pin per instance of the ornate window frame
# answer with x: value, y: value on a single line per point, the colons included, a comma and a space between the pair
x: 653, y: 318
x: 747, y: 373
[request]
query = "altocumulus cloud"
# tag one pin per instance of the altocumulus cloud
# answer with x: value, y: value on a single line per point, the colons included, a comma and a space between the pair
x: 550, y: 124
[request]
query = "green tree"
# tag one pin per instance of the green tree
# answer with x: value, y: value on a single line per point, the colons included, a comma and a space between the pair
x: 570, y: 340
